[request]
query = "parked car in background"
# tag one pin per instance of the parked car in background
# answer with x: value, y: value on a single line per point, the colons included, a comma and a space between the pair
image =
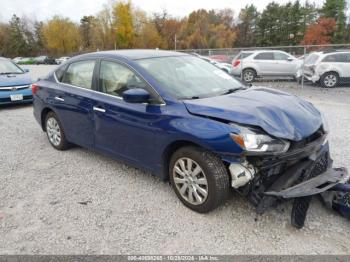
x: 14, y: 83
x: 221, y: 58
x: 17, y: 59
x: 254, y: 64
x: 26, y: 61
x: 223, y: 66
x: 328, y: 68
x: 62, y: 59
x: 186, y: 121
x: 44, y: 60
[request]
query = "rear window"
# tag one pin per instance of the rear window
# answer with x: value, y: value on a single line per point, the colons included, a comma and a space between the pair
x: 311, y: 59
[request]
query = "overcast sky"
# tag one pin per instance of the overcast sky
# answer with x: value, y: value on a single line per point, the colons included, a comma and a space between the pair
x: 75, y: 9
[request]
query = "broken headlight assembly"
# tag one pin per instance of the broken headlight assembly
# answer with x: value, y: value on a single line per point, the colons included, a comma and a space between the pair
x: 255, y: 142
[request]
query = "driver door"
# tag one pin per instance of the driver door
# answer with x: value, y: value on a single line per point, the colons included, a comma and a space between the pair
x: 123, y: 129
x: 286, y: 65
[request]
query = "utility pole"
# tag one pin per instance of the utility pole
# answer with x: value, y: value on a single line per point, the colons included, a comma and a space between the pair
x: 175, y: 42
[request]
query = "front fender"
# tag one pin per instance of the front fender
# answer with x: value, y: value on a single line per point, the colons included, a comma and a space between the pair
x: 207, y: 133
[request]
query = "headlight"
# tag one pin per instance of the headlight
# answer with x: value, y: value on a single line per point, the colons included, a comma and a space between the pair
x: 259, y: 143
x: 325, y: 125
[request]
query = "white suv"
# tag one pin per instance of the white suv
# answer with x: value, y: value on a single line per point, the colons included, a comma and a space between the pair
x: 329, y: 69
x: 253, y: 64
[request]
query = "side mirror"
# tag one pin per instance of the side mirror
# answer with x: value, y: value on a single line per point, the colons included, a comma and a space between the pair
x: 136, y: 95
x: 290, y: 59
x: 26, y: 70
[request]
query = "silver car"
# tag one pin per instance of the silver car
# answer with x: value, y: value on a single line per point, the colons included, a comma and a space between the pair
x: 253, y: 64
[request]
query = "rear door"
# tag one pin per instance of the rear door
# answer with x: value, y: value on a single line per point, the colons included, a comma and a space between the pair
x: 266, y: 64
x: 73, y: 102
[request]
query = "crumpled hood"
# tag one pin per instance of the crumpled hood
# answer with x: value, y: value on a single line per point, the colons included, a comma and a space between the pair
x: 15, y: 80
x: 278, y: 113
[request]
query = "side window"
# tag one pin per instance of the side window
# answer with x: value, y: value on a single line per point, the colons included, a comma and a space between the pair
x: 60, y: 72
x: 334, y: 58
x: 116, y: 78
x: 80, y: 74
x: 280, y: 56
x: 347, y: 57
x: 264, y: 56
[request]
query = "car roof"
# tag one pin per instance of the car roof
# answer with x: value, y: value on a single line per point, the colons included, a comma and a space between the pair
x: 262, y: 50
x: 132, y: 54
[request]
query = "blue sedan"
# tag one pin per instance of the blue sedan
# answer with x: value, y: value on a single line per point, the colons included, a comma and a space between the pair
x: 14, y: 83
x: 186, y: 121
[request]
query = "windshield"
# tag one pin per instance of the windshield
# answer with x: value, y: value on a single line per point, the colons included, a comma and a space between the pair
x: 311, y: 59
x: 243, y: 55
x: 8, y: 67
x: 188, y: 77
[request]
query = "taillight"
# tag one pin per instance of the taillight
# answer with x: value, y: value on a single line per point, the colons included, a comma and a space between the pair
x: 236, y: 63
x: 35, y: 88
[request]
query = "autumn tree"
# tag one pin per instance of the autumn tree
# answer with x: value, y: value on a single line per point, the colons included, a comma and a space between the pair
x: 105, y: 32
x: 171, y: 32
x: 204, y: 29
x: 123, y: 25
x: 61, y: 36
x: 146, y: 33
x: 320, y: 33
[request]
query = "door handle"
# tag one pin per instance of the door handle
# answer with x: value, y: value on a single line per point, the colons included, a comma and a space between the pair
x: 59, y: 98
x: 99, y: 109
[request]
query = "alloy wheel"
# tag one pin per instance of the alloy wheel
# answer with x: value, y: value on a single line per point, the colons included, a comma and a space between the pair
x: 190, y: 181
x: 330, y: 80
x: 53, y: 131
x: 248, y: 76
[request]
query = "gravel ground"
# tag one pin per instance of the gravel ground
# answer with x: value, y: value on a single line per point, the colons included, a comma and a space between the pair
x: 80, y: 202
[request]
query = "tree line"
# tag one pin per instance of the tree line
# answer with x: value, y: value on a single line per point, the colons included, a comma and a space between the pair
x: 122, y: 25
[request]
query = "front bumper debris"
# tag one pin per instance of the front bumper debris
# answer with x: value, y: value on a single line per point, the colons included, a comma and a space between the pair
x: 309, y: 174
x: 316, y: 185
x: 331, y: 185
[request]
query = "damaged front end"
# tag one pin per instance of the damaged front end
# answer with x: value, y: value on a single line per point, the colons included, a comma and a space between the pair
x: 303, y: 171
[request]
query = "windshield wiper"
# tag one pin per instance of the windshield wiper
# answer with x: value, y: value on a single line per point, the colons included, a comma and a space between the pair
x: 195, y: 97
x: 232, y: 90
x: 189, y: 98
x: 10, y: 73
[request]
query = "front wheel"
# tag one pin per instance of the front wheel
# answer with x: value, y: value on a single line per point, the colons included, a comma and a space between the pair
x: 249, y: 75
x: 199, y: 178
x: 329, y: 80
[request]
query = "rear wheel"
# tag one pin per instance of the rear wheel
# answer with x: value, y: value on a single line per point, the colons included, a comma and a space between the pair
x: 330, y: 80
x: 199, y: 178
x: 55, y: 132
x: 249, y: 75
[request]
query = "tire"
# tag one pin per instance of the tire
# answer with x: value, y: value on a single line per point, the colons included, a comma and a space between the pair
x: 329, y: 80
x: 249, y: 75
x: 212, y: 171
x: 54, y: 129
